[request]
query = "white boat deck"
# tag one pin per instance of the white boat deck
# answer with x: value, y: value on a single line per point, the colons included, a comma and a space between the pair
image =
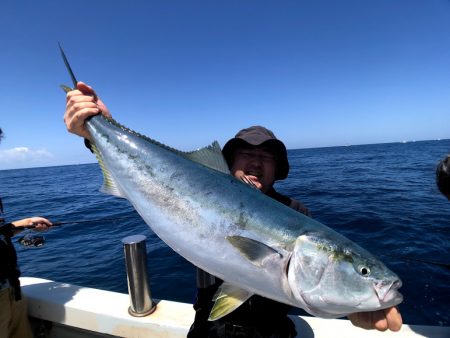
x: 78, y: 312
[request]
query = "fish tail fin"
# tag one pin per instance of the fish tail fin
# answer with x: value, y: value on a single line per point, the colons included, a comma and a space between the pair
x: 69, y: 69
x: 110, y: 185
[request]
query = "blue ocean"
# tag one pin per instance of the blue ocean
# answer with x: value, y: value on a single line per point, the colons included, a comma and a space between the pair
x: 381, y: 196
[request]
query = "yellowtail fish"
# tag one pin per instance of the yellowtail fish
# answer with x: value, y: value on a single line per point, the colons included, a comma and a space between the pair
x: 233, y: 231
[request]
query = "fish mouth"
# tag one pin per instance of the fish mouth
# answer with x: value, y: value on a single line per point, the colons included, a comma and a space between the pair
x: 388, y: 294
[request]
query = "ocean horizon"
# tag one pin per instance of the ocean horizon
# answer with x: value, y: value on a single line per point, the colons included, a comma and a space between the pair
x: 289, y: 149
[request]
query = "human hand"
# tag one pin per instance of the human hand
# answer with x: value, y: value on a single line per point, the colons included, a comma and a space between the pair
x: 39, y: 223
x: 296, y: 205
x: 249, y: 179
x: 380, y: 320
x: 81, y: 103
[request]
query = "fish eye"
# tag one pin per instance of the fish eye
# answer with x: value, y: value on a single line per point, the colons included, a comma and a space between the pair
x: 364, y: 271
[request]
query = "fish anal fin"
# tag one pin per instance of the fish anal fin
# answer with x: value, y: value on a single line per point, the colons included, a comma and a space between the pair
x: 210, y: 156
x: 227, y: 299
x: 256, y: 252
x: 109, y: 183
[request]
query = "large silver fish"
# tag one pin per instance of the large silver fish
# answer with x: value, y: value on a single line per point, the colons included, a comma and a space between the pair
x: 233, y: 231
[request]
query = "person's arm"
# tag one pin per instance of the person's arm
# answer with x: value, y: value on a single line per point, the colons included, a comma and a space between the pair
x: 82, y: 103
x: 41, y: 224
x: 381, y: 320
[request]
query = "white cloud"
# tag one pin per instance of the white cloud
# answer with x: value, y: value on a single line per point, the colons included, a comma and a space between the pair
x: 23, y: 157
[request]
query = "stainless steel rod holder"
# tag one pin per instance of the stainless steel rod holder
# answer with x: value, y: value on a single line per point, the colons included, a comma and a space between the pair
x: 141, y: 303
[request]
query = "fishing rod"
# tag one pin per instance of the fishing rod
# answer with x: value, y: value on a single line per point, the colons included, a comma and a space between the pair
x: 30, y: 240
x: 445, y: 265
x: 34, y: 225
x: 39, y: 241
x: 425, y: 261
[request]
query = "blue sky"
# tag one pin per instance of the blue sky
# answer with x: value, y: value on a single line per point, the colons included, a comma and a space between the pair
x: 318, y: 73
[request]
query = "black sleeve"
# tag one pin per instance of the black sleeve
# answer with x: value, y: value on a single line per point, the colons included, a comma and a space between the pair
x: 7, y: 229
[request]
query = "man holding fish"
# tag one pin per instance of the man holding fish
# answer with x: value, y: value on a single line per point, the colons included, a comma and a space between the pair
x: 257, y: 158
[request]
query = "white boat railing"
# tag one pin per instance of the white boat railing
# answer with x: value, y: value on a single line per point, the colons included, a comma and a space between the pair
x: 76, y: 311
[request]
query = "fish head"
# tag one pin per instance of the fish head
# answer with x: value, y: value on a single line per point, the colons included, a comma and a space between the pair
x: 332, y: 278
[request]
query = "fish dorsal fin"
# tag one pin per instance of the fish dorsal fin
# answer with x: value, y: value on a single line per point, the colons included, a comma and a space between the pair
x: 256, y: 252
x: 210, y: 156
x: 227, y: 299
x: 109, y: 183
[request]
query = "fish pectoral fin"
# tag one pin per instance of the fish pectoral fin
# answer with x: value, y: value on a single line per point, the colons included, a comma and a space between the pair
x: 227, y: 299
x: 109, y: 183
x: 256, y: 252
x: 210, y: 156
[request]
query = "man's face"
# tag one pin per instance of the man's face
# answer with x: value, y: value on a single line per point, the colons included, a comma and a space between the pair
x: 258, y: 164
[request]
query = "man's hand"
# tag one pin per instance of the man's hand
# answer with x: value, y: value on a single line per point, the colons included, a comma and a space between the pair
x: 380, y: 320
x: 251, y: 180
x: 296, y: 205
x: 81, y: 104
x: 41, y: 223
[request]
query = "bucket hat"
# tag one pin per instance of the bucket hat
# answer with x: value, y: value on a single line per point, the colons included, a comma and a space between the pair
x: 258, y: 136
